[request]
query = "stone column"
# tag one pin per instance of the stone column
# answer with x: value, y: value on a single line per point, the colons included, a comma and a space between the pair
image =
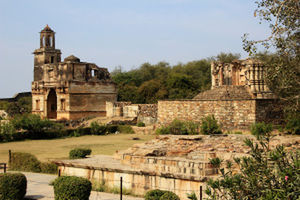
x: 252, y: 78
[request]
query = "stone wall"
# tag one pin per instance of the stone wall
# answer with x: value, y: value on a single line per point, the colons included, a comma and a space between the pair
x: 231, y: 114
x: 146, y: 113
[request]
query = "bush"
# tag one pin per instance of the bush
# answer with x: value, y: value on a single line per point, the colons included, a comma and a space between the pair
x: 79, y: 153
x: 141, y: 124
x: 12, y: 186
x: 192, y: 196
x: 125, y: 129
x: 169, y: 196
x: 97, y: 129
x: 111, y: 128
x: 261, y: 129
x: 164, y: 130
x: 154, y: 194
x: 72, y: 188
x: 263, y: 174
x: 34, y: 125
x: 178, y: 127
x: 210, y: 126
x: 293, y: 125
x: 7, y: 132
x: 48, y: 168
x: 24, y: 162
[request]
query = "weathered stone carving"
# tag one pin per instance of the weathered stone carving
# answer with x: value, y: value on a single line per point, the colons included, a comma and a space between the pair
x: 247, y: 72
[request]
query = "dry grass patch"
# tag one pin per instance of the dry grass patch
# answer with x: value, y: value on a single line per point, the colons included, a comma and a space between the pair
x: 45, y: 150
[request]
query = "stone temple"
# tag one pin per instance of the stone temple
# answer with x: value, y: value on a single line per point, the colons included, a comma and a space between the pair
x: 69, y: 89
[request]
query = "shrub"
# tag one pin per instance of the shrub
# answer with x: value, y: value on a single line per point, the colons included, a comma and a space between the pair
x: 263, y: 174
x: 97, y: 129
x: 72, y: 188
x: 169, y: 196
x: 125, y: 129
x: 12, y: 186
x: 34, y: 125
x: 7, y: 132
x: 178, y: 127
x: 192, y: 196
x: 210, y: 126
x: 79, y: 153
x: 24, y: 162
x: 48, y: 168
x: 141, y: 124
x: 154, y: 194
x: 293, y: 125
x: 111, y: 128
x: 261, y: 129
x: 164, y: 130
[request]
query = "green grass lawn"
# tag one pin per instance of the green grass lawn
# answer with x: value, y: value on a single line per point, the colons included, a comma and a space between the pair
x: 59, y: 148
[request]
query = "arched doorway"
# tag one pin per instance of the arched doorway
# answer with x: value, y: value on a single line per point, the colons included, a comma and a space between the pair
x: 52, y: 105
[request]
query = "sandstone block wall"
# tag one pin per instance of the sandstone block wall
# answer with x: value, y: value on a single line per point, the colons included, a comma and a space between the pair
x: 231, y: 114
x: 146, y: 113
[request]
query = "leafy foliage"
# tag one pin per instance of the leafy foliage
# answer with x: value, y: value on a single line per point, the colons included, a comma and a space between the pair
x: 178, y: 127
x: 7, y: 132
x: 22, y: 106
x: 24, y: 162
x: 141, y: 124
x: 261, y: 128
x: 169, y: 196
x: 79, y: 153
x: 265, y: 174
x: 48, y: 168
x: 283, y: 66
x: 125, y: 129
x: 293, y: 124
x: 72, y: 188
x: 210, y: 126
x: 149, y: 83
x: 27, y: 162
x: 34, y: 125
x: 154, y: 194
x: 192, y: 196
x: 97, y: 129
x: 12, y: 186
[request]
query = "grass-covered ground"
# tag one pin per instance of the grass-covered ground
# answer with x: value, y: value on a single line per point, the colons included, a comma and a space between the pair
x: 59, y: 148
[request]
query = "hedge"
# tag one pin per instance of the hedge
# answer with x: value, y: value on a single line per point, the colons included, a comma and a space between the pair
x: 72, y: 188
x: 29, y: 163
x: 169, y: 196
x: 154, y: 194
x: 24, y: 162
x: 12, y: 186
x: 79, y: 153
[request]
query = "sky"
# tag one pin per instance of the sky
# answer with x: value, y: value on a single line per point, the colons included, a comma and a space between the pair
x: 126, y: 33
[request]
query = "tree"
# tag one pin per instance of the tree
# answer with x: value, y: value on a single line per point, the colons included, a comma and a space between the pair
x: 226, y: 57
x: 265, y: 174
x: 283, y: 74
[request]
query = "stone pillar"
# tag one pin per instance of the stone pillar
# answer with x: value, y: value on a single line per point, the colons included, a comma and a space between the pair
x: 213, y: 78
x: 256, y: 79
x: 221, y: 76
x: 252, y: 78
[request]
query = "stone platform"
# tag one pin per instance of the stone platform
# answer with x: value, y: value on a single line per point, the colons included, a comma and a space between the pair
x: 174, y: 163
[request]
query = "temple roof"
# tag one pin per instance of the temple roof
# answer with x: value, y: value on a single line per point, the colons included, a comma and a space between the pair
x: 72, y: 58
x: 225, y: 92
x: 47, y: 29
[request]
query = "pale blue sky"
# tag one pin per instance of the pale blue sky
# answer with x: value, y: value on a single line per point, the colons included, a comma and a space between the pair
x: 123, y: 33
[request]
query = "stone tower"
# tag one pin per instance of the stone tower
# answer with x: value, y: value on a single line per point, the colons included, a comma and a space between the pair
x: 46, y: 54
x: 70, y: 89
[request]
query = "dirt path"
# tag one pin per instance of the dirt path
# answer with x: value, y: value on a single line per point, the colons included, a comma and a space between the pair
x: 38, y: 188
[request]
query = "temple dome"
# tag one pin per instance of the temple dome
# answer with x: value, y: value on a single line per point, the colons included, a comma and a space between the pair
x: 47, y: 29
x: 72, y: 58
